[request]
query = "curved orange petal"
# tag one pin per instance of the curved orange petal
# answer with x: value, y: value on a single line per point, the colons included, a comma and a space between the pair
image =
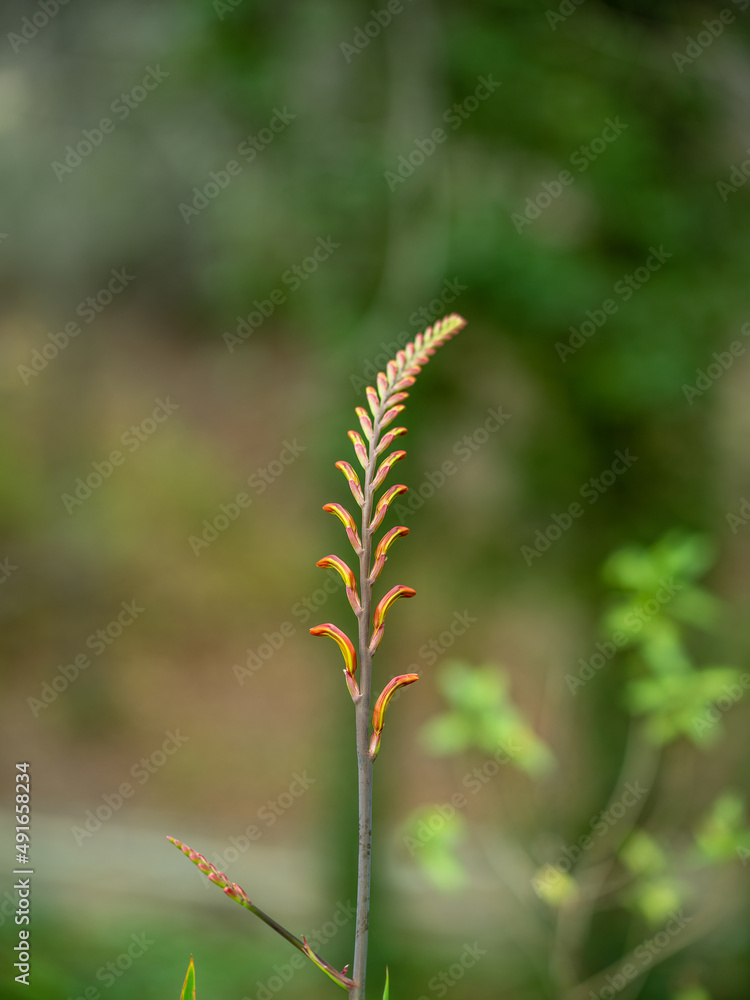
x: 384, y: 605
x: 343, y: 641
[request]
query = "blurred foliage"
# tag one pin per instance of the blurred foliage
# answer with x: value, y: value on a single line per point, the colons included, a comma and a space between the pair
x: 483, y: 717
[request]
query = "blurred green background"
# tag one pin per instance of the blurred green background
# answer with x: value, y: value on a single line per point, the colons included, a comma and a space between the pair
x: 220, y: 220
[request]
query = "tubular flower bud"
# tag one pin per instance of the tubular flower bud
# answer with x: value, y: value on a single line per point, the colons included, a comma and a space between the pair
x: 333, y: 562
x: 348, y: 521
x: 385, y: 467
x: 344, y: 643
x: 384, y: 503
x: 359, y: 448
x: 381, y: 552
x: 353, y: 480
x: 398, y: 397
x: 378, y: 715
x: 382, y: 382
x: 405, y: 383
x: 365, y: 421
x: 389, y: 438
x: 392, y: 370
x: 390, y: 415
x: 373, y: 399
x: 385, y: 603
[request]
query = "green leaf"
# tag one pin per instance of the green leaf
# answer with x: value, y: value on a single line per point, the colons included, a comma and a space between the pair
x: 386, y: 991
x: 188, y: 989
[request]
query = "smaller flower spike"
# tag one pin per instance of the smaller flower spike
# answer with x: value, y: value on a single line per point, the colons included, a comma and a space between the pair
x: 378, y: 715
x: 334, y: 562
x: 385, y: 467
x: 353, y: 480
x: 344, y: 643
x: 348, y: 521
x: 384, y: 503
x: 382, y: 549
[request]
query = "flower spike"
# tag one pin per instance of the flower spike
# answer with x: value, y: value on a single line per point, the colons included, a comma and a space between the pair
x: 344, y: 643
x: 384, y: 503
x: 385, y: 467
x: 353, y: 480
x: 378, y: 715
x: 383, y: 546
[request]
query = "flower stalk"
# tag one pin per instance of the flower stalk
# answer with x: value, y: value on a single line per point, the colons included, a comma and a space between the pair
x: 386, y: 402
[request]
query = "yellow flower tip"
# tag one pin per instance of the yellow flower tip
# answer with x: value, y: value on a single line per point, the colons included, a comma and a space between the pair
x: 381, y: 552
x: 343, y: 642
x: 384, y: 503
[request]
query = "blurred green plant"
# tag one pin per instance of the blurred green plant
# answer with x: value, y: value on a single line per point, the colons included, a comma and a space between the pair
x: 658, y: 607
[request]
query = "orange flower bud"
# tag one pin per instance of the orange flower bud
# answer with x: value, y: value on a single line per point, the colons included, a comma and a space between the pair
x: 385, y: 467
x: 378, y: 715
x: 389, y: 438
x: 390, y: 415
x: 343, y: 641
x: 384, y: 605
x: 365, y: 421
x: 380, y: 553
x: 333, y: 562
x: 384, y: 503
x: 372, y: 399
x: 359, y: 448
x: 353, y: 480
